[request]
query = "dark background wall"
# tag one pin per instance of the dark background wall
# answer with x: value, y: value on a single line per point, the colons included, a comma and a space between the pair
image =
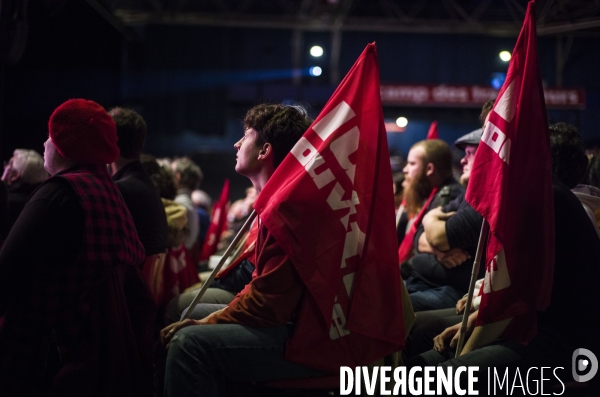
x: 194, y: 84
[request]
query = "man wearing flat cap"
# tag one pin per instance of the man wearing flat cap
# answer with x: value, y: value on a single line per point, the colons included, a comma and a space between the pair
x: 447, y: 241
x: 75, y: 311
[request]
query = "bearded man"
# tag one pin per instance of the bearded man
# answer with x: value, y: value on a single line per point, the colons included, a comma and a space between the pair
x: 428, y: 183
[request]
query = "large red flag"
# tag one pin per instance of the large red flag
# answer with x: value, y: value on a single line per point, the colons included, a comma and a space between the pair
x: 330, y: 206
x: 218, y: 223
x: 511, y: 187
x: 433, y: 131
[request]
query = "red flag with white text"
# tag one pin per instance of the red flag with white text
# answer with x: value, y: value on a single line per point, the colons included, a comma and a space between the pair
x: 218, y: 223
x: 433, y: 131
x: 330, y: 206
x: 511, y: 187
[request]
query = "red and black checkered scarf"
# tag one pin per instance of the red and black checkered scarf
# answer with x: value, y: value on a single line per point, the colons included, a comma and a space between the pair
x: 109, y: 232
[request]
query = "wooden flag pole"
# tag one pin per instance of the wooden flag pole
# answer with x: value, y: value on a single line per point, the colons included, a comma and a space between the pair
x: 216, y: 270
x: 485, y: 227
x: 399, y: 215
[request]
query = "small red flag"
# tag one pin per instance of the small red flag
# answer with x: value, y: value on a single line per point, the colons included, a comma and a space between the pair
x: 218, y: 223
x: 511, y: 187
x: 433, y: 131
x: 330, y: 206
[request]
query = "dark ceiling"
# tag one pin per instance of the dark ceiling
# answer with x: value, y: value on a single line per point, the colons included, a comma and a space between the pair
x: 477, y: 17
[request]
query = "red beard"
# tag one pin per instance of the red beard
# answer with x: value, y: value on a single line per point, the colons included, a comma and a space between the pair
x: 415, y: 194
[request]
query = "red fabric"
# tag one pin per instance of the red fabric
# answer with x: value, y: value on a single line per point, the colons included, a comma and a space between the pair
x: 433, y: 131
x: 273, y: 295
x: 511, y: 187
x: 405, y: 251
x: 179, y: 272
x: 248, y: 251
x: 330, y: 205
x: 218, y: 224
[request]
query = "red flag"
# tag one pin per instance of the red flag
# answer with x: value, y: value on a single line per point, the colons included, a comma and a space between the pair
x: 511, y: 187
x: 433, y: 131
x: 218, y: 223
x: 330, y: 206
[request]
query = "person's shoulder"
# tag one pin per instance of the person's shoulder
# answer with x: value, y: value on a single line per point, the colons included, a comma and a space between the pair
x: 54, y: 190
x: 135, y: 181
x: 451, y: 189
x: 448, y: 192
x: 563, y: 196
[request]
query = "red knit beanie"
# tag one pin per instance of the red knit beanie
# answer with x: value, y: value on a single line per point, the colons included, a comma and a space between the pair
x: 83, y: 132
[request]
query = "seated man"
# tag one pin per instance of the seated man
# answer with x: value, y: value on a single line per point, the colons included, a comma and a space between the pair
x: 428, y: 183
x: 438, y: 276
x: 440, y: 273
x: 134, y: 183
x: 227, y: 284
x: 217, y: 349
x: 77, y: 316
x: 556, y: 340
x: 573, y: 288
x: 570, y: 164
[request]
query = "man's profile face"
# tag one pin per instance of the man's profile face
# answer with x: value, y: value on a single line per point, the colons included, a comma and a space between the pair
x: 467, y: 163
x: 247, y: 156
x: 9, y: 175
x: 415, y: 163
x: 50, y: 157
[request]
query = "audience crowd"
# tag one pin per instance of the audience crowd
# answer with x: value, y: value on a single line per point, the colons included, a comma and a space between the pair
x: 101, y: 248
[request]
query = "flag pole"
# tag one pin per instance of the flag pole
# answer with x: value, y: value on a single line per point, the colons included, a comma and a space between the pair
x: 399, y: 215
x: 216, y: 270
x: 485, y: 227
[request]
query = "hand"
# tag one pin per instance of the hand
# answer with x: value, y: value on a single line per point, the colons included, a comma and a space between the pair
x: 453, y: 334
x: 452, y: 258
x: 436, y: 214
x: 450, y: 333
x: 460, y: 305
x: 443, y: 216
x: 167, y: 333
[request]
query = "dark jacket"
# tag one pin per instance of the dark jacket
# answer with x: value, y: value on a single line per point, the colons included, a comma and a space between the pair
x: 145, y: 206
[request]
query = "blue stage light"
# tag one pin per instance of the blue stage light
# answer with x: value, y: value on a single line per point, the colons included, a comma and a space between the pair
x: 315, y: 71
x: 497, y: 80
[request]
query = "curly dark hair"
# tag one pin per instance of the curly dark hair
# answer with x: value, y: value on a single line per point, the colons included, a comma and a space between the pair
x: 569, y: 162
x: 162, y: 177
x: 280, y: 125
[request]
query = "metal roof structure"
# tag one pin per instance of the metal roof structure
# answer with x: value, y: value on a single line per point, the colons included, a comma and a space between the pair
x: 475, y: 17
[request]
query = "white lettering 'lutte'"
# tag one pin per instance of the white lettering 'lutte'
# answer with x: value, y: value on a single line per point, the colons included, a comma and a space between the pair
x: 342, y: 148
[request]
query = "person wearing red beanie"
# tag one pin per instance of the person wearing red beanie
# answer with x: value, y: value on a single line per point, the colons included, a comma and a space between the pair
x: 84, y: 132
x: 78, y: 318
